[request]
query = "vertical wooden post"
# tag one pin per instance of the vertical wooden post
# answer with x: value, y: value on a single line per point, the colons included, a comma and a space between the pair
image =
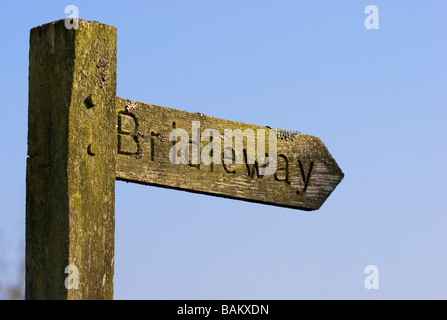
x: 70, y: 196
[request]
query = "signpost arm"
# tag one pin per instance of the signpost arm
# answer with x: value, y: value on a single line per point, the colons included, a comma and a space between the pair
x: 70, y: 196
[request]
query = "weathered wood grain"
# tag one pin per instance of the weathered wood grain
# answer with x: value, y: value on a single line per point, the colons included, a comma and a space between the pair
x: 306, y: 172
x: 81, y: 137
x: 71, y: 160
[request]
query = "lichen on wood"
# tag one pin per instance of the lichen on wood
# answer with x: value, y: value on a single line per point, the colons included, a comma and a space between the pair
x: 306, y: 172
x: 71, y: 164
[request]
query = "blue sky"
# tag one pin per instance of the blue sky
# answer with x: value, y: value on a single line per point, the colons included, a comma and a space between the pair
x: 376, y: 98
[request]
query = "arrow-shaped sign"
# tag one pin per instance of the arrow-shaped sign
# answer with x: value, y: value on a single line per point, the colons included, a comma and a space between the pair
x: 151, y: 138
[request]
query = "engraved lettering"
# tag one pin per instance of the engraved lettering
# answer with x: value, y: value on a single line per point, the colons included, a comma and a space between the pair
x: 284, y: 169
x: 153, y: 135
x: 128, y: 137
x: 181, y: 146
x: 238, y: 135
x: 194, y: 145
x: 251, y: 168
x: 208, y: 155
x: 230, y: 160
x: 305, y: 177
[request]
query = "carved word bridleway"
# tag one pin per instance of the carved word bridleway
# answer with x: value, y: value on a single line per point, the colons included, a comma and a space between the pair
x: 305, y: 172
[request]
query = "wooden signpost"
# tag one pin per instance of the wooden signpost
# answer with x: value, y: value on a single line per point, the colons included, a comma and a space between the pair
x: 305, y: 175
x: 81, y: 138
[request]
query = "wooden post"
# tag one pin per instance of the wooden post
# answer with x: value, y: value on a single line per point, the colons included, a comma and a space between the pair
x: 81, y: 137
x: 70, y: 183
